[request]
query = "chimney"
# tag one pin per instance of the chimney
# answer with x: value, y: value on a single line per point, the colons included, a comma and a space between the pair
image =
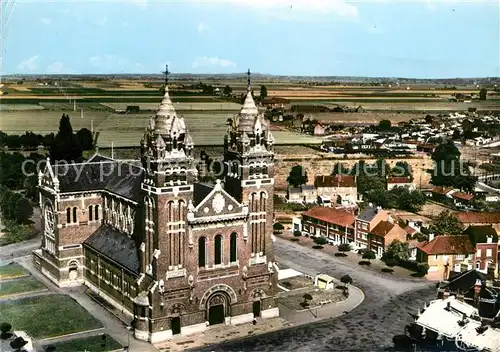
x: 431, y: 236
x: 379, y: 209
x: 489, y: 239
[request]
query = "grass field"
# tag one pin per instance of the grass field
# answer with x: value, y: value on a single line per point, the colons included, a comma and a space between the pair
x: 92, y: 344
x: 20, y: 107
x: 179, y: 106
x: 21, y: 285
x: 11, y: 271
x: 47, y: 316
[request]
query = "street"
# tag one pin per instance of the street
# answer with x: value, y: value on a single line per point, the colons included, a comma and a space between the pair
x: 371, y: 326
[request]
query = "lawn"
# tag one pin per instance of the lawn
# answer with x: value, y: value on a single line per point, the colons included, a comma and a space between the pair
x: 21, y: 285
x: 48, y: 316
x: 94, y: 343
x: 12, y: 270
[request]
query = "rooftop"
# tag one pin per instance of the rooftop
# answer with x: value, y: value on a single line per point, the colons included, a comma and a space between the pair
x: 398, y: 180
x: 468, y: 217
x: 382, y: 228
x: 447, y: 244
x: 332, y: 216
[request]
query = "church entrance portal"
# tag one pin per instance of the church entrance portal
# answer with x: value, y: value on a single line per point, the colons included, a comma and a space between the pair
x: 175, y: 325
x: 217, y: 308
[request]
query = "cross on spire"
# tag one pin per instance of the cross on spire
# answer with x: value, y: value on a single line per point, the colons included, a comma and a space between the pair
x: 166, y: 72
x: 249, y: 86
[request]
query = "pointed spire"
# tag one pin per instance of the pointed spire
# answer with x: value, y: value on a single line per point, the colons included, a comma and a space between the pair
x: 166, y: 72
x: 249, y: 84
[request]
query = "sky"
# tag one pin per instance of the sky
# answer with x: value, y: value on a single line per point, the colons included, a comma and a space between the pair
x: 418, y: 39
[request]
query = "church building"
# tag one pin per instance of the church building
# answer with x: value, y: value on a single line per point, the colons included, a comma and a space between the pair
x: 175, y: 254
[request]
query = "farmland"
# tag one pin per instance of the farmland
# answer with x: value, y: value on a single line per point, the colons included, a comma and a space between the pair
x: 35, y: 106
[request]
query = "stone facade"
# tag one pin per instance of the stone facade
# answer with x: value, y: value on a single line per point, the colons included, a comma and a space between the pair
x: 175, y: 254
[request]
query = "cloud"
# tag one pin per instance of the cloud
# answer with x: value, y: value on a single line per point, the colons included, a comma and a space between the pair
x: 338, y: 7
x: 29, y: 64
x: 46, y: 21
x: 212, y: 61
x: 203, y: 27
x: 115, y: 63
x: 59, y: 67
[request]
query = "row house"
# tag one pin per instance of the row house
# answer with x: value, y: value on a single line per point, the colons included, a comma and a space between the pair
x: 447, y: 194
x: 446, y: 254
x: 340, y: 188
x: 366, y: 221
x: 406, y: 182
x: 485, y: 240
x: 468, y: 218
x: 302, y: 194
x: 334, y: 224
x: 383, y: 234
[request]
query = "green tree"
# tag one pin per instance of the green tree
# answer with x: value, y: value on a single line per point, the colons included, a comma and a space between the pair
x: 396, y: 250
x: 263, y: 92
x: 404, y: 199
x: 23, y: 210
x: 402, y: 169
x: 482, y: 94
x: 85, y: 139
x: 369, y: 255
x: 228, y: 91
x: 344, y: 247
x: 346, y: 280
x: 5, y: 330
x: 384, y: 125
x: 298, y: 176
x: 340, y: 169
x: 379, y: 196
x: 446, y: 224
x: 65, y: 146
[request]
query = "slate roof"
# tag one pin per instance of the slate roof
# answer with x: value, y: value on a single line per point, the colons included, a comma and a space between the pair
x: 464, y: 281
x: 368, y: 214
x: 480, y: 234
x: 115, y: 245
x: 447, y: 245
x: 121, y: 178
x: 332, y: 216
x: 201, y: 191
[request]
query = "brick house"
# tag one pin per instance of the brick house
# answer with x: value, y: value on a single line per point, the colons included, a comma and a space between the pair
x: 366, y: 222
x: 335, y: 186
x: 485, y: 239
x: 334, y: 224
x: 442, y: 194
x: 383, y: 234
x: 446, y: 254
x: 174, y: 254
x: 406, y: 182
x: 462, y: 199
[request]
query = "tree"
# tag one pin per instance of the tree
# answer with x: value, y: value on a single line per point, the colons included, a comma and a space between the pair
x: 482, y: 94
x: 320, y: 241
x: 384, y: 125
x: 446, y: 224
x: 429, y: 119
x: 278, y: 227
x: 65, y: 146
x: 263, y: 92
x: 85, y: 139
x: 346, y: 280
x: 369, y: 255
x: 228, y: 91
x: 340, y: 169
x: 402, y: 169
x: 380, y: 197
x: 298, y: 176
x: 23, y: 210
x: 5, y: 330
x: 344, y: 247
x: 396, y: 250
x: 18, y: 343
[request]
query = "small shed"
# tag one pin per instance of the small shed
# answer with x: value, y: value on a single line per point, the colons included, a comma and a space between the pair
x: 324, y: 282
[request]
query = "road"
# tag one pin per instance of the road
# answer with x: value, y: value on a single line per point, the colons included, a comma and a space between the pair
x: 370, y: 327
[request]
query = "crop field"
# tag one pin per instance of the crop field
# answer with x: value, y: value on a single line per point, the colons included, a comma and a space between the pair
x: 179, y: 106
x: 20, y: 107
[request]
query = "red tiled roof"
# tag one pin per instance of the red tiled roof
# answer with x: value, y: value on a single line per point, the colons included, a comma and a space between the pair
x: 382, y: 228
x: 398, y: 180
x: 410, y: 230
x: 335, y: 181
x: 332, y: 216
x: 447, y: 245
x: 441, y: 190
x: 463, y: 196
x: 467, y: 217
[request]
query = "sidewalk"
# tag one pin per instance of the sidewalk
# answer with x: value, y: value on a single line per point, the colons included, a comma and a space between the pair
x: 112, y: 325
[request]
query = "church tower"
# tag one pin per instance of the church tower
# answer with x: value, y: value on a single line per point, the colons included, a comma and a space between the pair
x: 167, y: 157
x: 249, y: 172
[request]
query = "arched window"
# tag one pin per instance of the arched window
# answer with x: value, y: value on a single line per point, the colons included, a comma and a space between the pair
x: 68, y: 215
x: 218, y: 250
x: 233, y: 256
x: 478, y: 265
x: 96, y: 209
x: 202, y: 252
x: 75, y: 217
x: 91, y: 214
